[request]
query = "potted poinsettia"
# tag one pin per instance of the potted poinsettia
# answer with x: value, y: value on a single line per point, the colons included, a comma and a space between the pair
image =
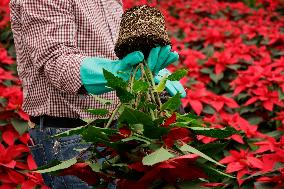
x: 154, y: 144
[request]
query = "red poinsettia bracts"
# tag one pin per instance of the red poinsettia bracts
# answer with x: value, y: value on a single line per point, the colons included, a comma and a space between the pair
x: 234, y: 53
x: 169, y: 171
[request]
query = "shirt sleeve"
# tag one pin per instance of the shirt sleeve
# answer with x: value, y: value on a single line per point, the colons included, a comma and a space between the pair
x: 49, y: 32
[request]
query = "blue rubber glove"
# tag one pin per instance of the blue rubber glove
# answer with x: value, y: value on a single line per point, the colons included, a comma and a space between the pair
x: 160, y: 57
x: 173, y: 87
x: 91, y: 71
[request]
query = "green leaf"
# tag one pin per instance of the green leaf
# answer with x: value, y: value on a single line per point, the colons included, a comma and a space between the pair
x: 206, y: 70
x: 93, y: 132
x: 188, y: 120
x: 208, y: 109
x: 255, y: 120
x: 150, y: 128
x: 3, y: 123
x: 132, y: 116
x: 173, y: 103
x: 96, y: 167
x: 3, y: 101
x: 140, y: 85
x: 73, y: 131
x: 216, y: 78
x: 215, y: 133
x: 119, y: 85
x: 136, y: 138
x: 234, y: 66
x: 100, y: 112
x: 158, y: 156
x: 114, y: 81
x: 147, y: 105
x: 100, y: 135
x: 209, y: 50
x: 60, y: 166
x: 281, y: 94
x: 177, y: 75
x: 20, y: 126
x: 162, y: 85
x: 215, y: 173
x: 123, y: 95
x: 102, y: 100
x: 187, y: 148
x: 212, y: 148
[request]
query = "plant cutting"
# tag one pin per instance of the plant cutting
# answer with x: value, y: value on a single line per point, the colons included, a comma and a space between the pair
x: 153, y: 144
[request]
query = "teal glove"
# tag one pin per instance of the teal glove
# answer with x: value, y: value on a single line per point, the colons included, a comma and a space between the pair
x: 91, y: 71
x: 160, y: 57
x: 173, y: 87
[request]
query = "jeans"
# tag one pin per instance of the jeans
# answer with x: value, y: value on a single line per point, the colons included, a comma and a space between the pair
x: 46, y: 149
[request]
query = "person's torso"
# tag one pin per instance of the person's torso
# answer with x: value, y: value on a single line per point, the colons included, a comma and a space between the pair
x: 97, y: 25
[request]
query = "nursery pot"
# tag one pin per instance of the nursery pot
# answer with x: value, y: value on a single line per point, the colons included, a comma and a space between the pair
x: 141, y: 29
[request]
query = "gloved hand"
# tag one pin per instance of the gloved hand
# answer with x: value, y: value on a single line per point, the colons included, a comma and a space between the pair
x: 173, y: 87
x: 91, y: 70
x: 160, y: 57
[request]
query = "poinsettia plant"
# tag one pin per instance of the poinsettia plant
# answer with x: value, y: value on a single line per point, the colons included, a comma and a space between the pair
x: 213, y: 31
x: 153, y: 144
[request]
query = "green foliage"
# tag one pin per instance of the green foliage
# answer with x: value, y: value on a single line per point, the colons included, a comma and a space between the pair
x: 145, y: 125
x: 56, y: 166
x: 158, y: 156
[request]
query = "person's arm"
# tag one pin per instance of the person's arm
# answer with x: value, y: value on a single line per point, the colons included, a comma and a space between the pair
x: 49, y: 32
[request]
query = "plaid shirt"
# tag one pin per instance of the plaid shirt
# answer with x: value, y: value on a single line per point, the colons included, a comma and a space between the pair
x: 51, y: 39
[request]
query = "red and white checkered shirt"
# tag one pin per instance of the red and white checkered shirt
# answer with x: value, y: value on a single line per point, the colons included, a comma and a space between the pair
x: 51, y: 39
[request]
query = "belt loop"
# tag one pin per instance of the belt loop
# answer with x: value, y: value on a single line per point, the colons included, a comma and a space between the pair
x: 41, y: 123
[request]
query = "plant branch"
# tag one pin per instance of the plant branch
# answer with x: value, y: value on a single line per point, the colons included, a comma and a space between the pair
x: 113, y: 115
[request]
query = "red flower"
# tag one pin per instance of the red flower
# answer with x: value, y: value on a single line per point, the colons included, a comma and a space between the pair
x: 194, y: 97
x: 242, y: 162
x: 268, y: 98
x: 170, y: 120
x: 83, y: 171
x: 177, y: 134
x: 277, y: 179
x: 4, y: 58
x: 220, y: 60
x: 168, y: 171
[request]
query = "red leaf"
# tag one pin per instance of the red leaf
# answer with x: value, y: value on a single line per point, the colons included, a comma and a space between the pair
x: 218, y: 105
x: 196, y: 106
x: 251, y: 100
x: 10, y: 164
x: 138, y: 166
x: 254, y: 162
x: 28, y: 185
x: 228, y: 159
x: 25, y: 138
x: 31, y: 162
x: 234, y: 166
x: 213, y: 184
x: 231, y: 103
x: 9, y: 137
x: 170, y: 120
x: 268, y: 105
x: 23, y: 115
x: 238, y: 138
x: 124, y: 131
x: 240, y: 174
x: 83, y: 171
x: 16, y: 177
x: 21, y: 165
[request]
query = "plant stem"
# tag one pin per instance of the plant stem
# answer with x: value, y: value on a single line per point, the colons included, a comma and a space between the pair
x: 150, y: 84
x: 133, y: 76
x: 149, y: 73
x: 113, y: 115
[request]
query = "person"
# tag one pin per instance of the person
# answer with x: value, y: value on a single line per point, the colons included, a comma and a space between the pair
x: 62, y: 46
